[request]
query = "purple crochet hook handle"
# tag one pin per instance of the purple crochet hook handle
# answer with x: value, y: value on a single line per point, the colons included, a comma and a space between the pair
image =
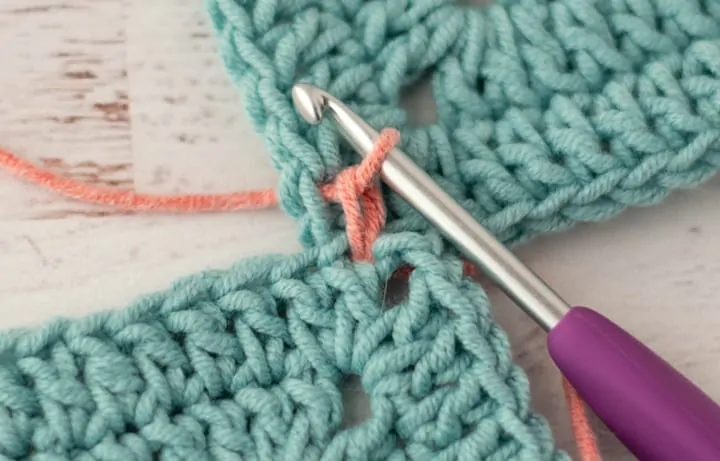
x: 654, y: 410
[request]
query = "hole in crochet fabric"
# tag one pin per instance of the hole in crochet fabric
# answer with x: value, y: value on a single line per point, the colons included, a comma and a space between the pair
x: 396, y: 288
x: 605, y: 145
x: 281, y: 309
x: 355, y: 401
x: 418, y: 102
x: 131, y: 428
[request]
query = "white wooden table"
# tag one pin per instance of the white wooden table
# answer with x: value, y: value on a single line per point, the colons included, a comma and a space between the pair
x: 93, y: 89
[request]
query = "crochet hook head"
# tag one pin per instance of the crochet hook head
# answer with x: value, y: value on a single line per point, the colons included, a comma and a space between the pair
x: 312, y: 103
x: 409, y: 181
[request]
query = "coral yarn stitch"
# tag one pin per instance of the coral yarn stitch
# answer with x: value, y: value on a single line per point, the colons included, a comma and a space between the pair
x: 549, y: 113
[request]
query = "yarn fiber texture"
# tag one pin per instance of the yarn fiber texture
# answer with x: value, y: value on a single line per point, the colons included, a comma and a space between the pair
x: 549, y: 114
x: 247, y: 364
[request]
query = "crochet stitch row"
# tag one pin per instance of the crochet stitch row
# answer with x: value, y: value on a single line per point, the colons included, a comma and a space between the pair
x: 549, y: 113
x: 246, y: 364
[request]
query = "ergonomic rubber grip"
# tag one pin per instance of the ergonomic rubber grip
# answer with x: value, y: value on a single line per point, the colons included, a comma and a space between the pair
x: 654, y: 410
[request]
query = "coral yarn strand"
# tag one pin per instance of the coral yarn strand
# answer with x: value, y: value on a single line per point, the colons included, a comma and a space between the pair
x: 355, y: 180
x: 133, y: 201
x: 355, y: 188
x: 359, y: 194
x: 582, y: 431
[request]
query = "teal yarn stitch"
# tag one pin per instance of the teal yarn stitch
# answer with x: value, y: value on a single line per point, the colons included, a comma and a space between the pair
x: 549, y: 113
x: 246, y: 364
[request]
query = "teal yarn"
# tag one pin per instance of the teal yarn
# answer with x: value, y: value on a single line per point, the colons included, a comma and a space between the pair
x: 246, y: 364
x: 549, y: 113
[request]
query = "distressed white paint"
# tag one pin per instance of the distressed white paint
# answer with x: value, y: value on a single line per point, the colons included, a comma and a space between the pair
x: 101, y: 93
x: 64, y: 96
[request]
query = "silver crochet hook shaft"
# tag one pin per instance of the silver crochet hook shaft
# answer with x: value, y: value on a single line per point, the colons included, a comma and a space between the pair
x: 619, y: 378
x: 409, y: 181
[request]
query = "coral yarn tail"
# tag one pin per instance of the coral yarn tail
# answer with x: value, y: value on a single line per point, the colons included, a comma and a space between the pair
x: 582, y: 431
x: 354, y: 188
x: 132, y: 201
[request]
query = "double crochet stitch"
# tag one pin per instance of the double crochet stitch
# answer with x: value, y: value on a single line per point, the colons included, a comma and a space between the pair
x: 549, y: 113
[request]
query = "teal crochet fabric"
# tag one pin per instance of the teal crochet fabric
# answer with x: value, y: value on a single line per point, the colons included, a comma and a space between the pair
x: 550, y: 113
x: 246, y: 364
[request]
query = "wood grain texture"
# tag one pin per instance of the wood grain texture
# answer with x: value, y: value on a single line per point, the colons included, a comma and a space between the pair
x: 185, y: 111
x: 64, y: 97
x: 75, y: 266
x: 94, y: 89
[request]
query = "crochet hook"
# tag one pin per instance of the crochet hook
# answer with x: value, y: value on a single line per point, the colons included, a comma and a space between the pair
x: 659, y: 414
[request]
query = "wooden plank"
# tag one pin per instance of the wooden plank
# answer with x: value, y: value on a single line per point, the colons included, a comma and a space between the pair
x: 190, y: 129
x: 64, y: 102
x: 75, y: 266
